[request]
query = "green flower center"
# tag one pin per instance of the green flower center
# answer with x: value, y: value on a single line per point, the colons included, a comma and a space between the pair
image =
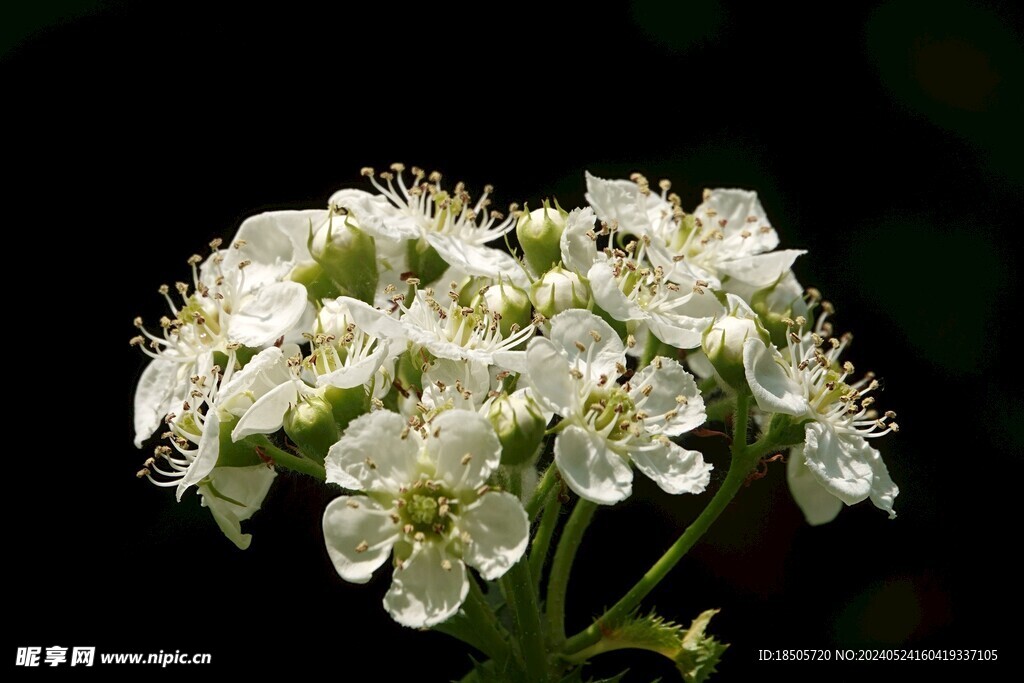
x: 610, y: 406
x: 427, y: 510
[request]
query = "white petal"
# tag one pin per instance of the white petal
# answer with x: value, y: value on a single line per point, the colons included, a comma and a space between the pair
x: 579, y: 251
x: 274, y: 242
x: 263, y: 371
x: 678, y: 331
x: 673, y: 468
x: 478, y: 260
x: 373, y: 320
x: 549, y: 377
x: 359, y: 533
x: 514, y: 361
x: 266, y: 415
x: 206, y: 454
x: 699, y: 364
x: 763, y: 269
x: 423, y: 593
x: 619, y: 201
x: 818, y: 505
x: 462, y: 434
x: 608, y: 295
x: 578, y: 326
x: 773, y: 389
x: 268, y: 314
x: 667, y: 384
x: 372, y: 455
x: 590, y: 468
x: 843, y: 464
x: 153, y: 397
x: 358, y: 373
x: 234, y: 494
x: 742, y: 211
x: 883, y: 490
x: 498, y: 532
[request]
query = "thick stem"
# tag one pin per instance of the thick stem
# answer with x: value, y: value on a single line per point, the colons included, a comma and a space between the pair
x: 561, y: 567
x: 290, y: 461
x: 542, y: 539
x: 522, y: 599
x: 744, y: 459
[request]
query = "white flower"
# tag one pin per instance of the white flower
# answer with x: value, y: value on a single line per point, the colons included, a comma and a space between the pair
x: 456, y: 226
x: 346, y: 356
x: 224, y: 308
x: 728, y: 236
x: 606, y: 425
x: 676, y: 308
x: 425, y: 503
x: 809, y: 384
x: 444, y: 328
x: 233, y: 493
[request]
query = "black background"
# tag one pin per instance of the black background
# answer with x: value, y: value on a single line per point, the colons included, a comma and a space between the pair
x: 884, y: 139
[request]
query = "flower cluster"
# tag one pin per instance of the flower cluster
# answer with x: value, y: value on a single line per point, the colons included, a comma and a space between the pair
x: 384, y: 345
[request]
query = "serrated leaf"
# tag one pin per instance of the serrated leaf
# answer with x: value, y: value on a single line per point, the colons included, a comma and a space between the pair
x: 694, y: 653
x: 699, y: 653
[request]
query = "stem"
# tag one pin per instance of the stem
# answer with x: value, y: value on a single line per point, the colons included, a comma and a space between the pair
x: 522, y: 599
x: 743, y: 460
x: 546, y: 482
x: 561, y: 566
x: 290, y: 461
x: 542, y: 539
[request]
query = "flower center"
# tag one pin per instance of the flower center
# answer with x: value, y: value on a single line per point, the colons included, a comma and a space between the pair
x: 427, y: 510
x: 610, y: 410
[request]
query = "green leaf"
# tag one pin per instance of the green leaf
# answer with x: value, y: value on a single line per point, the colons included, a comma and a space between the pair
x: 699, y: 653
x: 694, y: 653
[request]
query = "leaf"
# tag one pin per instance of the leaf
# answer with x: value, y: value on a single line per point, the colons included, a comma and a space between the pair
x: 694, y: 652
x: 699, y: 653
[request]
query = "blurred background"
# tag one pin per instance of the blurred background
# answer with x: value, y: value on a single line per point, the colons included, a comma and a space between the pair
x: 884, y: 138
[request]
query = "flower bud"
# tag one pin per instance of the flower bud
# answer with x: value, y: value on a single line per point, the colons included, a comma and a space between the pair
x: 348, y: 256
x: 520, y: 426
x: 347, y: 404
x: 774, y: 304
x: 310, y: 424
x: 723, y: 342
x: 509, y: 301
x: 540, y: 234
x: 318, y: 285
x: 424, y: 261
x: 559, y: 290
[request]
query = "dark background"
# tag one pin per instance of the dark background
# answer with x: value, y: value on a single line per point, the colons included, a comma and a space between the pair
x: 885, y: 139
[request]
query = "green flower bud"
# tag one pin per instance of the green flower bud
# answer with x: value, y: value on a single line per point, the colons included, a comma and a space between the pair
x: 509, y: 301
x: 540, y: 234
x: 424, y: 261
x: 348, y: 256
x: 520, y: 426
x: 318, y: 285
x: 776, y: 303
x: 723, y: 342
x: 347, y: 404
x: 310, y: 424
x: 559, y: 290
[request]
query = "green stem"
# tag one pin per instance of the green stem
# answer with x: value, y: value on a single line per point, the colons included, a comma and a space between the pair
x: 561, y: 567
x: 543, y: 487
x: 542, y: 539
x: 290, y: 461
x: 744, y: 459
x: 522, y: 599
